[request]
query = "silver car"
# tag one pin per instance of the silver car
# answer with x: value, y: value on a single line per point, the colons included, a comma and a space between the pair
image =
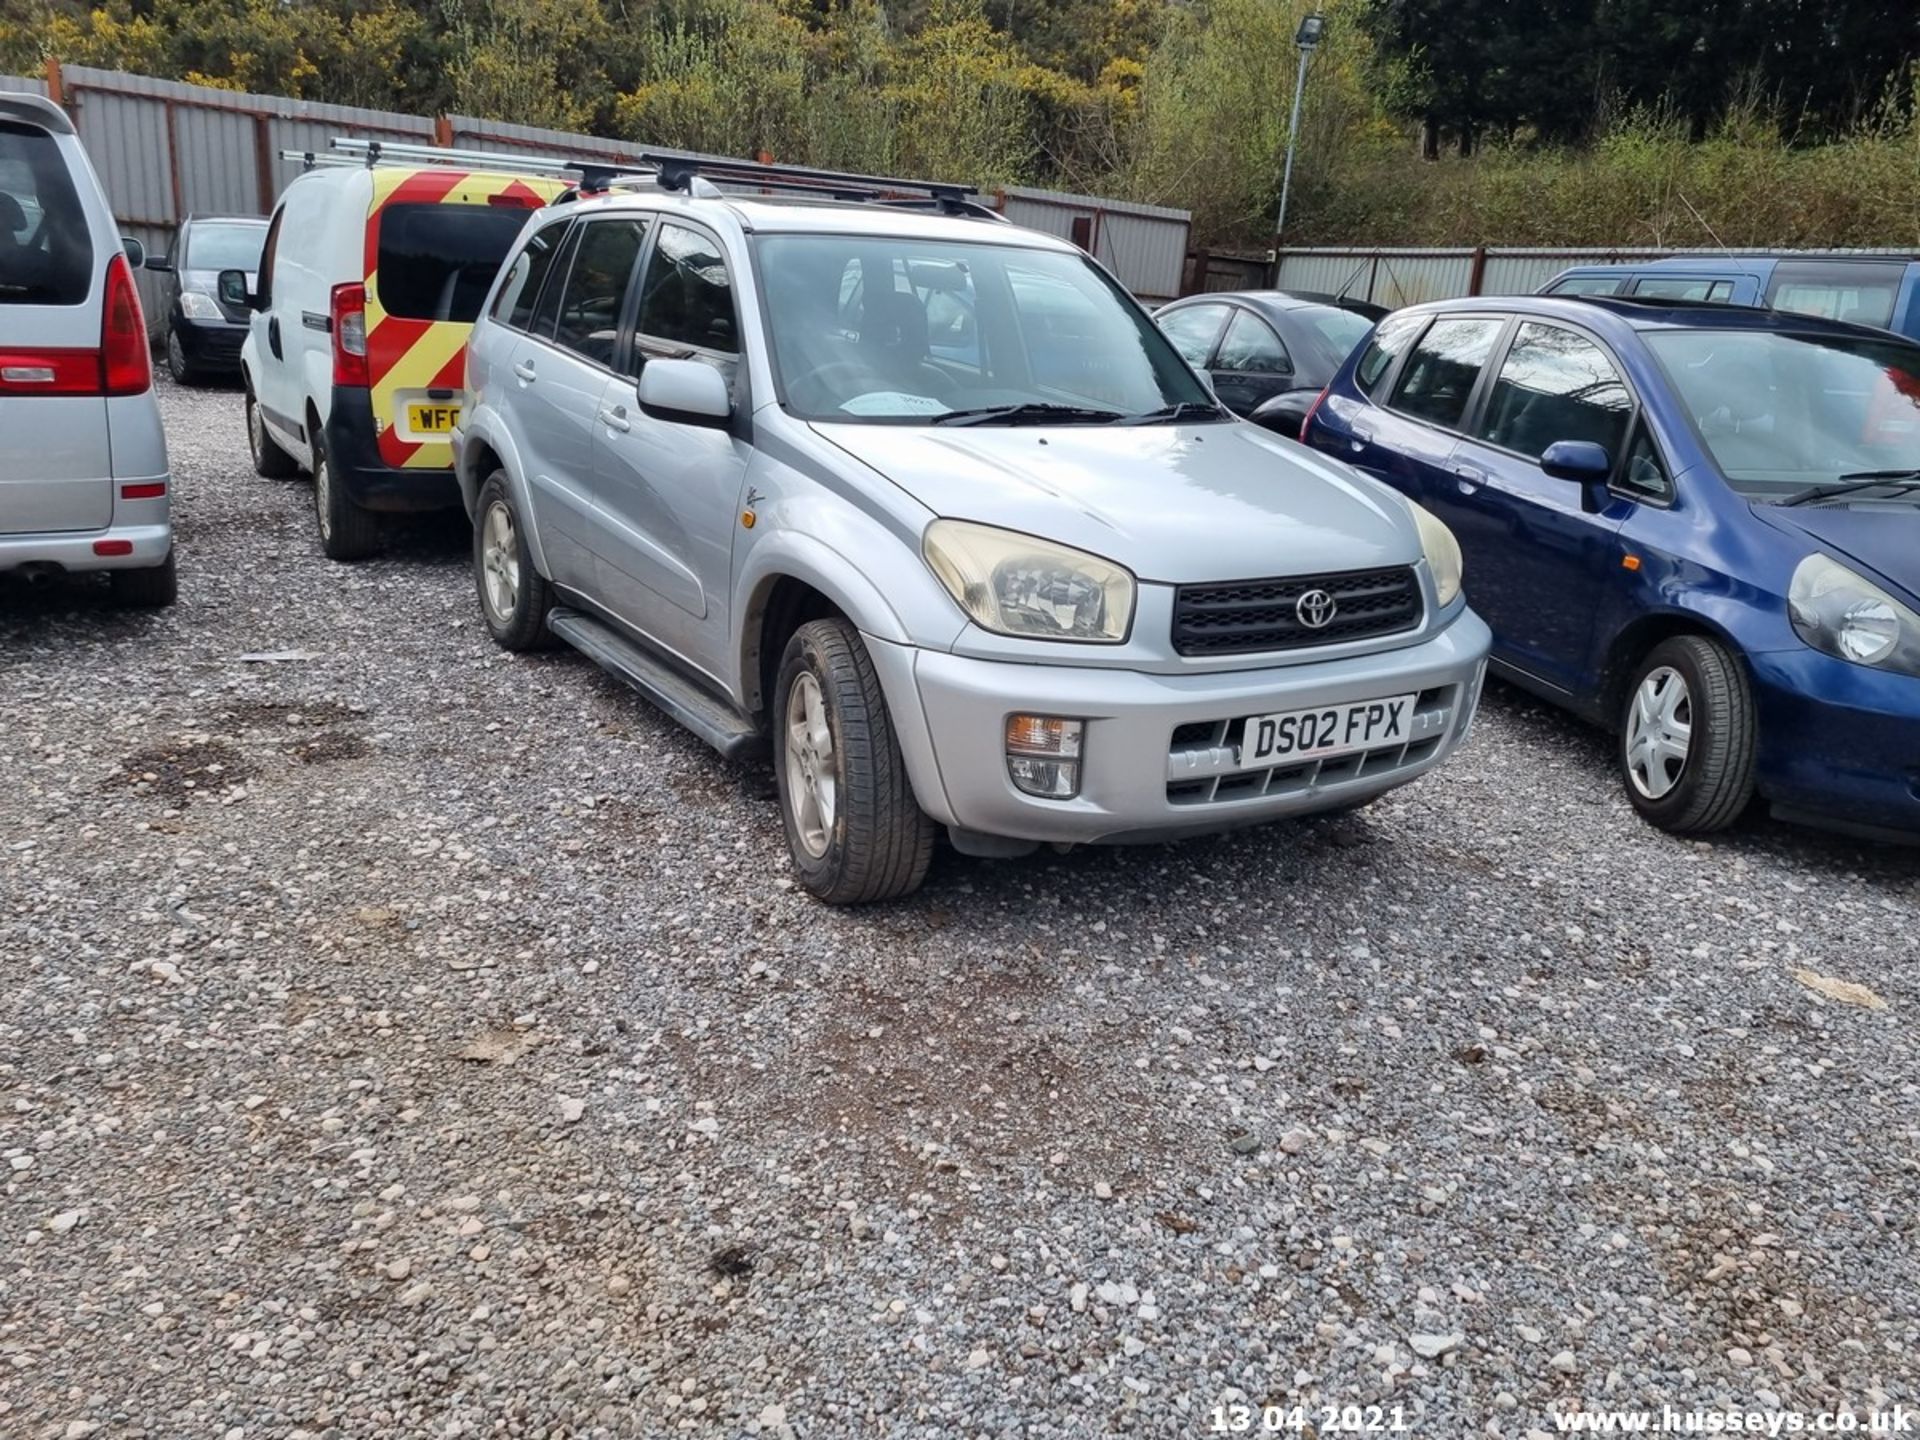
x: 928, y: 502
x: 84, y: 483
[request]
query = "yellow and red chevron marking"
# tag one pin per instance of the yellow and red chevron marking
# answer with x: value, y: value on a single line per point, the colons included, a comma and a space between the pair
x: 404, y: 354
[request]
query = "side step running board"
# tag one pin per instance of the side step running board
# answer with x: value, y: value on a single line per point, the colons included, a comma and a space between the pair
x: 712, y: 719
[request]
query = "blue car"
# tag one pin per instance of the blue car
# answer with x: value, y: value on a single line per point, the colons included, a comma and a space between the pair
x: 1698, y: 525
x: 1881, y: 290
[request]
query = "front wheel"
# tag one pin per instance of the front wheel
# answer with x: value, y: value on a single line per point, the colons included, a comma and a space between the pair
x: 853, y: 827
x: 347, y: 532
x: 1688, y: 736
x: 514, y: 596
x: 178, y: 365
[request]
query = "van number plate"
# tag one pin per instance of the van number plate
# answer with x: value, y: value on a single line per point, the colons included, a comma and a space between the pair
x: 432, y: 419
x: 1291, y: 735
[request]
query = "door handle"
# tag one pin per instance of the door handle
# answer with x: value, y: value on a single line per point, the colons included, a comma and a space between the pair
x: 615, y: 419
x: 524, y: 370
x: 1469, y: 477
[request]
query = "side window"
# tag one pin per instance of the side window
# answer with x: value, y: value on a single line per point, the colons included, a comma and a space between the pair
x: 521, y: 289
x: 546, y: 310
x: 596, y: 288
x: 1556, y: 385
x: 1251, y: 348
x: 1193, y: 330
x: 1645, y: 473
x: 1390, y: 337
x: 1590, y: 285
x: 263, y: 282
x: 686, y: 301
x: 1860, y: 291
x: 1683, y: 288
x: 1440, y: 373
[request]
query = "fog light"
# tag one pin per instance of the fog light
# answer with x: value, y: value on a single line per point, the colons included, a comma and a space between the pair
x: 1043, y: 755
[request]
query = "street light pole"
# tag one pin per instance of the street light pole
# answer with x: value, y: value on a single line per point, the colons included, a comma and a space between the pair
x: 1306, y: 38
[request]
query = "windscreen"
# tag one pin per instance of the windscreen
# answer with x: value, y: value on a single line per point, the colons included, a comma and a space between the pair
x: 46, y: 255
x: 436, y: 262
x: 225, y: 245
x: 882, y: 329
x: 1783, y: 412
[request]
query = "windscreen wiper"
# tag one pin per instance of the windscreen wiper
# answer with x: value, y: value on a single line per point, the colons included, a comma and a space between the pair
x: 1899, y: 481
x: 1184, y: 410
x: 1028, y: 412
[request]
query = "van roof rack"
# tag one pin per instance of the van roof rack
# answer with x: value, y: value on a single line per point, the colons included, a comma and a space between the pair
x: 686, y: 174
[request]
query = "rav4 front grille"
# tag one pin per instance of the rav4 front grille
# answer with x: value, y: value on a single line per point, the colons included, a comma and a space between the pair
x: 1242, y: 617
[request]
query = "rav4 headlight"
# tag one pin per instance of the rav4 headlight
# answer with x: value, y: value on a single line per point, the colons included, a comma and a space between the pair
x: 1014, y: 584
x: 1837, y: 611
x: 196, y: 306
x: 1443, y: 554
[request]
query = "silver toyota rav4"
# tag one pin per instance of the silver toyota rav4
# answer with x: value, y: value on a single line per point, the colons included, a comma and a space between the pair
x: 928, y: 501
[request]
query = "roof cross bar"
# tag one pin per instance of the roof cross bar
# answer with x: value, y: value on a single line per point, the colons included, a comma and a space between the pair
x: 677, y: 172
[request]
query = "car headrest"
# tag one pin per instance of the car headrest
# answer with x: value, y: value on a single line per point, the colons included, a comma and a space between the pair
x: 13, y: 216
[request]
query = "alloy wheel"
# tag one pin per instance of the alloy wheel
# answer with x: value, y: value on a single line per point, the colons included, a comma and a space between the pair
x: 500, y: 562
x: 813, y: 776
x: 1659, y: 733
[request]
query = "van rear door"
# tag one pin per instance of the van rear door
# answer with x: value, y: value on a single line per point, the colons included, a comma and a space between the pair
x: 56, y: 464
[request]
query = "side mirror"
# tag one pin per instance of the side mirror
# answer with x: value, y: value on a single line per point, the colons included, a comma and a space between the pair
x: 1581, y: 461
x: 163, y: 264
x: 233, y: 292
x: 687, y: 392
x: 136, y: 252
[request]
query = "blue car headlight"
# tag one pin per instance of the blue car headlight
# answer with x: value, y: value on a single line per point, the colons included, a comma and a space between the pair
x: 1850, y: 617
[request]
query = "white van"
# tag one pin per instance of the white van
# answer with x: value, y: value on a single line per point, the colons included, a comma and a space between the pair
x: 84, y: 482
x: 355, y: 361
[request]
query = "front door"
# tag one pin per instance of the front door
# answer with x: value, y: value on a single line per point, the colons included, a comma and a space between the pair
x: 669, y: 494
x: 1537, y: 552
x: 275, y: 325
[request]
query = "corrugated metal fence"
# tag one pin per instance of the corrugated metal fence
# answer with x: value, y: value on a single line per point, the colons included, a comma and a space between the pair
x: 166, y: 150
x: 1395, y: 277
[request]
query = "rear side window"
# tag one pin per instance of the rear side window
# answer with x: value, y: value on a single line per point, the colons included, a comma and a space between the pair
x: 688, y: 297
x: 1439, y: 376
x: 1590, y: 285
x: 1251, y: 348
x: 437, y: 262
x: 521, y: 290
x: 46, y: 254
x: 1681, y: 288
x: 1860, y: 291
x: 589, y: 323
x: 1556, y: 385
x: 1390, y: 337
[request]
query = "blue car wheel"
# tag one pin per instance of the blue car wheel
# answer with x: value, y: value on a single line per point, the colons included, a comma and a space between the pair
x: 1687, y: 736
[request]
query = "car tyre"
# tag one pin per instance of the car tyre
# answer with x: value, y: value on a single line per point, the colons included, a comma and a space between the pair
x: 153, y: 588
x: 1688, y: 735
x: 347, y: 532
x: 854, y: 829
x: 515, y: 597
x: 178, y: 366
x: 269, y: 460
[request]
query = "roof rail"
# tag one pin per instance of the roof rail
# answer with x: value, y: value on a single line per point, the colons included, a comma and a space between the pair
x: 689, y: 174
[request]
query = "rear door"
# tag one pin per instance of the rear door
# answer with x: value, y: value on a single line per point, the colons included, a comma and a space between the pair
x: 1251, y: 365
x: 56, y: 464
x: 435, y: 240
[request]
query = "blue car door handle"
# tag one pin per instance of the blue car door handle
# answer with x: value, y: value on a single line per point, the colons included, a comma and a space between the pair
x: 1468, y: 478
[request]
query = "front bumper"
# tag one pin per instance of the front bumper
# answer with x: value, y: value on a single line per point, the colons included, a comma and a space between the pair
x: 75, y: 552
x: 1157, y: 761
x: 1839, y: 743
x: 210, y: 343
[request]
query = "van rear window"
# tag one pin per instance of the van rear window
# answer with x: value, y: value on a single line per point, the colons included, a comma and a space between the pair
x: 46, y: 254
x: 436, y: 262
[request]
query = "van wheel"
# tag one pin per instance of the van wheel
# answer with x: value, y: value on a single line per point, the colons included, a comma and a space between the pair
x: 853, y: 827
x: 514, y: 596
x: 1688, y: 735
x: 346, y: 531
x: 269, y: 460
x: 149, y: 589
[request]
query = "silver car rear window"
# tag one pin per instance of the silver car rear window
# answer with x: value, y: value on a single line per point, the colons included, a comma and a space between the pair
x: 46, y: 254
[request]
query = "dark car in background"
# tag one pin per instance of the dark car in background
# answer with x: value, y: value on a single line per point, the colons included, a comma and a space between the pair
x: 1269, y: 353
x: 203, y: 335
x: 1696, y: 523
x: 1863, y: 289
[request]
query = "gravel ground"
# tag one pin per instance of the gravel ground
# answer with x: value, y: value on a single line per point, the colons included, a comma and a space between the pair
x: 411, y: 1039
